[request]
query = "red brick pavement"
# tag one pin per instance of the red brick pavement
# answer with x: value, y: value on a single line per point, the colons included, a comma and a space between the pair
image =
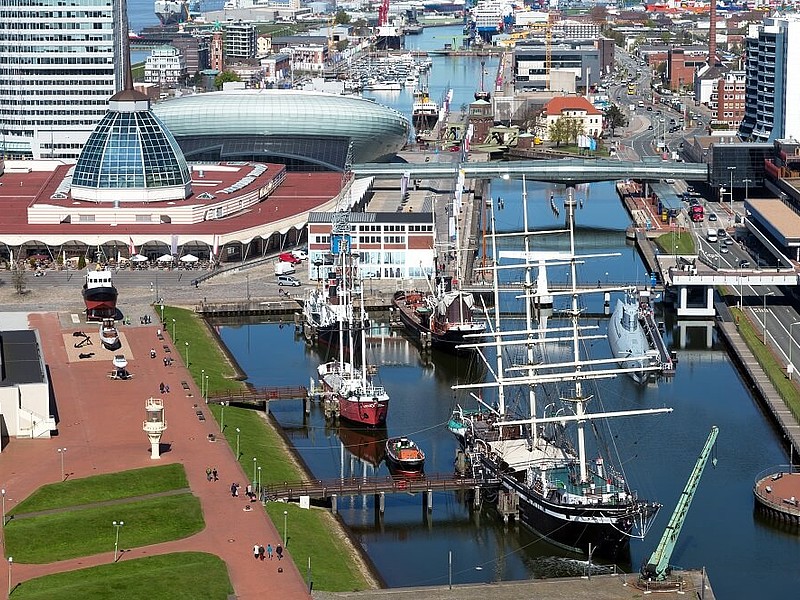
x: 100, y: 425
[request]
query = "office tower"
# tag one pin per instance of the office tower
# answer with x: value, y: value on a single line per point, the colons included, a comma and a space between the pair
x: 772, y: 80
x: 58, y: 68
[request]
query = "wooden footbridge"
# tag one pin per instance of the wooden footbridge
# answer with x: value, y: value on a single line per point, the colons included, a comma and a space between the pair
x: 259, y: 396
x: 329, y: 490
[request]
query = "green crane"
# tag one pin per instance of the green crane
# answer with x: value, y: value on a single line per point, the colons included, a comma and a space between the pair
x: 657, y: 568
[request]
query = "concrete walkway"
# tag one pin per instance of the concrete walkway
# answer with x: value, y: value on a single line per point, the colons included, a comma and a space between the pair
x: 100, y: 425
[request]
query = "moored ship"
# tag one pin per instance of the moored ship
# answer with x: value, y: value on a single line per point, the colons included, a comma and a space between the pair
x: 404, y: 456
x: 99, y: 295
x: 424, y: 111
x: 109, y: 336
x: 538, y: 451
x: 627, y: 338
x: 445, y: 315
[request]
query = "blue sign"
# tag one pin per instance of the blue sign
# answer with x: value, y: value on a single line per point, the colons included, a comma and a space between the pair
x: 340, y: 244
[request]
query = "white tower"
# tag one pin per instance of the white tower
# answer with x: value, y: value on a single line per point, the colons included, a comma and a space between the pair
x: 154, y: 424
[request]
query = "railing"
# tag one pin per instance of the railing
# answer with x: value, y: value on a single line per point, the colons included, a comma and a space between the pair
x: 789, y: 506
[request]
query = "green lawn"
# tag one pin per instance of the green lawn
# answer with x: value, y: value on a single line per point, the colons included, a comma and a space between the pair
x: 310, y: 535
x: 180, y: 576
x: 683, y: 240
x: 63, y: 535
x: 99, y: 488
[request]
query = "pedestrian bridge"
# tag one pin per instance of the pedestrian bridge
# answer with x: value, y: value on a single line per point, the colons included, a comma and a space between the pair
x: 563, y: 170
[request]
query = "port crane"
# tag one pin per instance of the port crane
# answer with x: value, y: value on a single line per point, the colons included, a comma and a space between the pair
x: 657, y: 567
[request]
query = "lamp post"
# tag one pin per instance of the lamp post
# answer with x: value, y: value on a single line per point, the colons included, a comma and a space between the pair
x: 765, y: 314
x: 187, y: 355
x: 731, y: 170
x: 202, y: 383
x: 222, y: 417
x: 790, y: 368
x: 3, y: 491
x: 10, y: 562
x: 747, y: 183
x: 238, y: 431
x: 258, y: 485
x: 61, y: 452
x: 173, y: 331
x: 117, y: 525
x: 255, y: 466
x: 285, y: 530
x: 206, y: 398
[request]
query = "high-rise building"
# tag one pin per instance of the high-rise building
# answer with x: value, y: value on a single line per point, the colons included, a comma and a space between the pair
x: 772, y: 80
x: 57, y: 72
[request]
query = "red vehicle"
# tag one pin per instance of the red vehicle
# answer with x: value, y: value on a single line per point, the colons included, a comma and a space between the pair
x: 696, y: 213
x: 289, y: 258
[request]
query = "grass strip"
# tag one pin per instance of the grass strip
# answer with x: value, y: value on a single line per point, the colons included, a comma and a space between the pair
x: 316, y: 535
x: 680, y: 243
x: 100, y: 488
x: 59, y: 536
x: 772, y: 366
x: 179, y: 576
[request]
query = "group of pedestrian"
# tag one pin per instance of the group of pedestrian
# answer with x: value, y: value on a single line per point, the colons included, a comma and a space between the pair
x: 167, y: 361
x: 163, y: 388
x: 234, y: 489
x: 211, y: 474
x: 260, y: 553
x: 145, y: 320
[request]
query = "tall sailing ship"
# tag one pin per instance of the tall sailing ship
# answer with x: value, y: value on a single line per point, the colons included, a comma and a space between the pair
x: 537, y: 453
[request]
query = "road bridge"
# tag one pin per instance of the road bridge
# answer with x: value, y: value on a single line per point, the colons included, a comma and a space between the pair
x: 564, y: 170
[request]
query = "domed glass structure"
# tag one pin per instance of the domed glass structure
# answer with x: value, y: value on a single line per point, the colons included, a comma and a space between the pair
x: 296, y: 127
x: 130, y: 157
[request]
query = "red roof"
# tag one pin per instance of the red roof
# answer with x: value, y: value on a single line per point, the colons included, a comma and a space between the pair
x: 557, y: 106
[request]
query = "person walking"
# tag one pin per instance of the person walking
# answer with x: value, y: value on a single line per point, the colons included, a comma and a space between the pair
x: 255, y: 551
x: 279, y: 551
x: 214, y: 474
x: 208, y: 473
x: 269, y: 551
x: 260, y: 552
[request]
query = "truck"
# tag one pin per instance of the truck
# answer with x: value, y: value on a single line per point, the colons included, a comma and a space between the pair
x: 696, y: 213
x: 711, y: 235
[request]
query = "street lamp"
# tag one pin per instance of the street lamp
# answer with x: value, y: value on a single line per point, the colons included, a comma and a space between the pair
x: 162, y: 314
x: 747, y: 183
x: 61, y: 452
x: 790, y: 369
x: 255, y: 466
x: 3, y: 491
x: 187, y: 354
x: 731, y: 170
x: 222, y: 417
x: 238, y: 431
x: 206, y: 398
x: 173, y: 331
x: 117, y: 525
x: 258, y: 485
x: 285, y: 531
x: 202, y: 383
x: 765, y: 314
x: 10, y: 562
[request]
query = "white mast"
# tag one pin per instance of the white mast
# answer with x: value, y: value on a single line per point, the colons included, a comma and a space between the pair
x: 529, y: 299
x: 501, y: 400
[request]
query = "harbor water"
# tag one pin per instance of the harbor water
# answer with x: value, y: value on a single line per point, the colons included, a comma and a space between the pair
x: 746, y: 556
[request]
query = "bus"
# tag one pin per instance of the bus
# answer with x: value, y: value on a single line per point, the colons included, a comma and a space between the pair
x: 631, y: 89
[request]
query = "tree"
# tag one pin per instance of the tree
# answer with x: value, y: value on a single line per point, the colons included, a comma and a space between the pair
x: 615, y: 118
x: 224, y: 77
x: 20, y: 280
x: 81, y: 262
x: 558, y: 131
x: 342, y: 45
x: 341, y: 18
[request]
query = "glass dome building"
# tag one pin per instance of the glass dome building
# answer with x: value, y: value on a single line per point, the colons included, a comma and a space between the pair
x: 130, y: 157
x: 299, y: 128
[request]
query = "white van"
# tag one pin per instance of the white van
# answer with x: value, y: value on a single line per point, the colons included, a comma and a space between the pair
x: 284, y: 268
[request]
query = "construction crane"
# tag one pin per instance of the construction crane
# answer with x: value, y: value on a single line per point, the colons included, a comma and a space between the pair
x: 657, y: 568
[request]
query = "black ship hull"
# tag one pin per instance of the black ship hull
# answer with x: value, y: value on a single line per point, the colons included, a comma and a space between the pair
x: 101, y: 302
x: 576, y: 528
x: 446, y: 341
x: 424, y: 122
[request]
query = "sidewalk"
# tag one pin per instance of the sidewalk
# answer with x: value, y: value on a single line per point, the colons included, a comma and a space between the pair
x: 100, y: 425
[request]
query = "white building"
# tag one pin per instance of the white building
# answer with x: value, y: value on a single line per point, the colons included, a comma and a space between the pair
x: 241, y: 40
x: 24, y: 387
x: 58, y: 68
x: 571, y: 107
x: 165, y: 66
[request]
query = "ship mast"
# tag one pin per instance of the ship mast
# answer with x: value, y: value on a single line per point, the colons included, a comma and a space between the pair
x: 501, y: 400
x: 529, y: 299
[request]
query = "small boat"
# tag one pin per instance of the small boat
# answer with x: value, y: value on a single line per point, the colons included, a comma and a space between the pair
x: 109, y: 335
x: 120, y: 362
x: 99, y: 295
x: 404, y: 456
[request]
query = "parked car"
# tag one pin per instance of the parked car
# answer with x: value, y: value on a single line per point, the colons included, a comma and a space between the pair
x: 300, y: 254
x: 289, y: 258
x: 288, y: 280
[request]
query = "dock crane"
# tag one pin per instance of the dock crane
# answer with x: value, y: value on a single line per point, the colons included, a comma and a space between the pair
x: 657, y: 568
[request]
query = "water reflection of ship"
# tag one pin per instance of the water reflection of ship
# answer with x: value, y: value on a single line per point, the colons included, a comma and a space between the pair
x: 366, y: 445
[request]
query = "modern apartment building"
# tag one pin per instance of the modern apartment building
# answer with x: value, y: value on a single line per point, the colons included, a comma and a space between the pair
x: 241, y: 41
x: 58, y: 68
x: 165, y: 66
x: 772, y: 80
